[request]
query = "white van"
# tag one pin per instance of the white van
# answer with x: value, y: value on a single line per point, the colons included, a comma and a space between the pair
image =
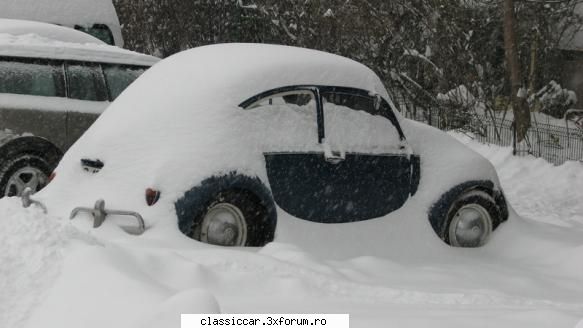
x: 95, y: 17
x: 54, y: 83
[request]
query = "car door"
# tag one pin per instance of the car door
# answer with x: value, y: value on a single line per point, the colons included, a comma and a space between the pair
x: 343, y: 175
x: 88, y: 97
x: 368, y: 170
x: 287, y: 120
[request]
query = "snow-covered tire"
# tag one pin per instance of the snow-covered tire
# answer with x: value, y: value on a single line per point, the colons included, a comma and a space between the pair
x: 228, y: 206
x: 470, y: 220
x: 24, y: 170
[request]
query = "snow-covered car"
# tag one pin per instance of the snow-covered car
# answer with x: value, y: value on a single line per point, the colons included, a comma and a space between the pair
x: 94, y: 17
x: 227, y: 140
x: 54, y: 82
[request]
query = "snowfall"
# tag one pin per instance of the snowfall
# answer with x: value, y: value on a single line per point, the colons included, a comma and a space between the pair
x: 530, y: 274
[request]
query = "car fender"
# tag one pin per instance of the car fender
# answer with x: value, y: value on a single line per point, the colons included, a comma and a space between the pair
x: 197, y: 198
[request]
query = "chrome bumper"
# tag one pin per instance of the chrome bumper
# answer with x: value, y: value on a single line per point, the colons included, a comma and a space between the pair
x: 100, y: 213
x: 27, y: 200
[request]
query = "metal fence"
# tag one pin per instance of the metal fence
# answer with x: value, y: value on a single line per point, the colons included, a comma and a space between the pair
x: 556, y: 144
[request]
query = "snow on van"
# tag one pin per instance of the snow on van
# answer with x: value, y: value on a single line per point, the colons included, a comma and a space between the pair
x: 16, y: 27
x: 95, y: 17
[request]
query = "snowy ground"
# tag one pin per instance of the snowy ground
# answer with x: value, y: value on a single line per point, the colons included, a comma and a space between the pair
x: 529, y: 275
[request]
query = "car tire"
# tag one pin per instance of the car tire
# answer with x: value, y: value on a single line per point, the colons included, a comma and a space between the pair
x: 24, y: 170
x: 470, y: 219
x: 231, y: 210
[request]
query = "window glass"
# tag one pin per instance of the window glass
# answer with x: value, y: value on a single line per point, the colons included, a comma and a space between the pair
x: 86, y: 82
x: 120, y: 77
x: 100, y: 31
x: 284, y: 122
x: 353, y: 124
x: 38, y: 79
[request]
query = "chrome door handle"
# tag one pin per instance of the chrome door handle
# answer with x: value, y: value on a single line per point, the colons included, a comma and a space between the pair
x: 334, y: 159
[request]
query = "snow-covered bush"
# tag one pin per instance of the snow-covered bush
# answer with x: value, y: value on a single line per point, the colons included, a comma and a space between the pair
x: 553, y: 100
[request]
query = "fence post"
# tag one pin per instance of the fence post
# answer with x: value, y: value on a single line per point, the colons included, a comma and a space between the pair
x: 430, y: 116
x: 514, y: 138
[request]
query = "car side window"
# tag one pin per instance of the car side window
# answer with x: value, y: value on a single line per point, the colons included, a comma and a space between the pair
x: 85, y: 82
x: 353, y: 121
x: 285, y: 120
x: 35, y: 78
x: 119, y: 77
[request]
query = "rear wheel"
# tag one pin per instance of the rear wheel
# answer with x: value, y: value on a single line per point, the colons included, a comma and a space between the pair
x: 231, y: 218
x: 24, y: 171
x: 228, y: 210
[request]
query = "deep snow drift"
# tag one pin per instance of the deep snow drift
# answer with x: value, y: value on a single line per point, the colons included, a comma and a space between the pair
x: 54, y: 274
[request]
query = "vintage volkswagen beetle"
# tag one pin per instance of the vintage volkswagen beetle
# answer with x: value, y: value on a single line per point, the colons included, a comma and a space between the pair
x: 223, y: 139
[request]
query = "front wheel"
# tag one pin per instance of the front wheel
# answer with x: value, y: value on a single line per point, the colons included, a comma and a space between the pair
x: 470, y: 220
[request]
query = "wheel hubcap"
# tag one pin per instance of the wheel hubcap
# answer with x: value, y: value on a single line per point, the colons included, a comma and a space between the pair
x: 26, y: 177
x: 224, y: 225
x: 470, y: 227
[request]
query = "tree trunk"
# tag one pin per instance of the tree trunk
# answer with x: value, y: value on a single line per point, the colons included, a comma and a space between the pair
x: 519, y: 105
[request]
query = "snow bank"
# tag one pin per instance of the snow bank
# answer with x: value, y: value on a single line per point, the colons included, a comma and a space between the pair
x: 538, y: 185
x: 31, y: 245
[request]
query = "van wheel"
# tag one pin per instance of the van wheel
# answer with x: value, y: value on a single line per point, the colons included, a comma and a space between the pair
x: 24, y: 171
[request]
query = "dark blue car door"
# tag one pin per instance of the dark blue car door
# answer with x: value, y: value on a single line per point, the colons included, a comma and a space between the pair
x: 360, y: 168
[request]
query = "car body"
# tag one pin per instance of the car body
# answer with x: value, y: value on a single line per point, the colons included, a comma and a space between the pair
x: 230, y: 137
x: 95, y: 17
x: 51, y: 91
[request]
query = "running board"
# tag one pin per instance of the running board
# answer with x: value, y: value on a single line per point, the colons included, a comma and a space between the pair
x: 99, y: 214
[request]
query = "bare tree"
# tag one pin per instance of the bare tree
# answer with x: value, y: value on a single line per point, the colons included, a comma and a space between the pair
x: 518, y: 92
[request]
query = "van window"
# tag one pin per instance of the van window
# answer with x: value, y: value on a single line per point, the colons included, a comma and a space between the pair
x: 85, y: 82
x: 100, y: 31
x: 31, y: 78
x: 120, y: 77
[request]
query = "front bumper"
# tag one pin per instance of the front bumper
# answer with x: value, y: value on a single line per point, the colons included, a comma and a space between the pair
x: 100, y: 213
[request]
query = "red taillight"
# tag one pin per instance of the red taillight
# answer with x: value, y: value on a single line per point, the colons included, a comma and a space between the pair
x: 52, y: 176
x: 152, y: 196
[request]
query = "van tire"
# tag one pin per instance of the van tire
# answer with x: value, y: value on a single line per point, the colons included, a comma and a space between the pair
x: 26, y: 156
x: 26, y: 170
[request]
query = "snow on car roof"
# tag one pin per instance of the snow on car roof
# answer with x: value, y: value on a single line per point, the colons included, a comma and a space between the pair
x: 55, y: 42
x: 63, y: 12
x: 50, y: 31
x: 234, y: 72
